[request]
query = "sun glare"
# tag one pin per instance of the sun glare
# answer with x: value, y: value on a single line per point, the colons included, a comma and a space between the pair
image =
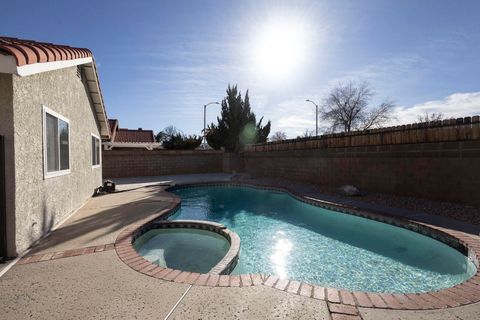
x: 280, y: 49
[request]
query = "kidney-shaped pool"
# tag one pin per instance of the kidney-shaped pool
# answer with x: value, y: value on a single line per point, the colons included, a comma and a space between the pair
x: 286, y: 237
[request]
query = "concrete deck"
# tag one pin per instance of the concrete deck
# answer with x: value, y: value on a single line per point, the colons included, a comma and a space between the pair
x: 100, y: 286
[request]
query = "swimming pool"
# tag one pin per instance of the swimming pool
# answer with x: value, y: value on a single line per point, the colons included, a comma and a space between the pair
x: 291, y: 239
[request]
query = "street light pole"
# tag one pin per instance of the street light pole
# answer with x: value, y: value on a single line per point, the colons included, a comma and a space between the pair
x: 205, y: 119
x: 316, y: 116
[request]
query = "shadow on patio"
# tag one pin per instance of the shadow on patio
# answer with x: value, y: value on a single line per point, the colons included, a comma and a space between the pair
x: 101, y: 219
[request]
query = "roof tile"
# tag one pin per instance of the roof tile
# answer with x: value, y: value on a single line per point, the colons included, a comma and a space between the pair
x: 127, y: 135
x: 29, y: 51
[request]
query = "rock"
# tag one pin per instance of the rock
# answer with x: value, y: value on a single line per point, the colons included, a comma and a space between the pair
x: 240, y: 177
x: 349, y: 191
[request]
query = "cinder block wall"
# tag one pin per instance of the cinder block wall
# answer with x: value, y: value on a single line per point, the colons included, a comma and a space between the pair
x: 439, y: 161
x: 118, y: 163
x: 233, y: 163
x: 439, y: 171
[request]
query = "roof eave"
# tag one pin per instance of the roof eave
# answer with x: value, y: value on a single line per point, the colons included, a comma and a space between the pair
x: 8, y: 65
x: 93, y: 84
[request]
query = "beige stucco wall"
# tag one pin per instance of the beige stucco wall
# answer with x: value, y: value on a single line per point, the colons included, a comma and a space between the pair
x: 42, y: 203
x: 6, y: 130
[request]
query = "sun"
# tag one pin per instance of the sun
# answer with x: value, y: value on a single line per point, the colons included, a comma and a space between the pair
x: 280, y: 49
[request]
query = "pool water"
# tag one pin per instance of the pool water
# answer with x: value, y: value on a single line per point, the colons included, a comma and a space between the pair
x: 291, y: 239
x: 184, y: 249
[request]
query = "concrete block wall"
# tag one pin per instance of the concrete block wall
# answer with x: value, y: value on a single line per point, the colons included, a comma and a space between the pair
x: 444, y: 171
x: 233, y: 163
x: 118, y: 163
x: 439, y: 161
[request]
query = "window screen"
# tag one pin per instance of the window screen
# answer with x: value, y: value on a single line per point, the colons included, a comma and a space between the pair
x: 95, y: 151
x: 57, y: 151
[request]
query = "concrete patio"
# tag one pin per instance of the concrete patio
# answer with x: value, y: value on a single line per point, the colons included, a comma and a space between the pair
x: 91, y: 282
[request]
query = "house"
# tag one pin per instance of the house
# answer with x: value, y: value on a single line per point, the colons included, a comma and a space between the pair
x: 52, y: 120
x: 129, y: 138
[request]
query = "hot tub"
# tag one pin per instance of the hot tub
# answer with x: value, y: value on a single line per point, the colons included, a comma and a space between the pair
x: 194, y: 246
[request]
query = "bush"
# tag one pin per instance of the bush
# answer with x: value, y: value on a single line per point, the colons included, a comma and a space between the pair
x: 237, y: 126
x: 180, y: 141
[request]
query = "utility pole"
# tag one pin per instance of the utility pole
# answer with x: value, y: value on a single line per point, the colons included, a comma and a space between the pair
x: 316, y: 116
x: 205, y: 120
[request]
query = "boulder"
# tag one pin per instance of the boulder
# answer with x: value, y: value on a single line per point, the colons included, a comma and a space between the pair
x: 349, y: 191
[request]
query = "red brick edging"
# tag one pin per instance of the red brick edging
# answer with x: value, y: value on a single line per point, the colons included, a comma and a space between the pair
x: 65, y: 254
x: 462, y: 294
x: 224, y: 266
x: 343, y: 312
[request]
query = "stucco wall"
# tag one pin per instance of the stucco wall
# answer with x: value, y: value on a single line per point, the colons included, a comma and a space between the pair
x: 6, y: 130
x: 42, y: 203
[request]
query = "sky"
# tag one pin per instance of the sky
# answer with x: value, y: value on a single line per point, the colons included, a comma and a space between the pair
x: 159, y: 62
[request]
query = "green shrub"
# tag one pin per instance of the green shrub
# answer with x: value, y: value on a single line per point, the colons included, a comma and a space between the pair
x: 180, y: 141
x: 237, y: 126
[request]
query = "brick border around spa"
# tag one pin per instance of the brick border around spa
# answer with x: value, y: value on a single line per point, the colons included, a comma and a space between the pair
x: 462, y: 294
x: 224, y: 266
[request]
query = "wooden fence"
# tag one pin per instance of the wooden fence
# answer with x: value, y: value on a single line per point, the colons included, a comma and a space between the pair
x: 461, y: 129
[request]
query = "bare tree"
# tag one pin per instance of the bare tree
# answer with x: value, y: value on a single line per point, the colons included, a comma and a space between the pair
x: 278, y: 136
x: 347, y: 108
x: 171, y: 131
x: 430, y: 117
x: 307, y: 134
x: 166, y: 133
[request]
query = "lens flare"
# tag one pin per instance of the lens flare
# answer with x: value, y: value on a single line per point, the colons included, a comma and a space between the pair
x: 248, y: 134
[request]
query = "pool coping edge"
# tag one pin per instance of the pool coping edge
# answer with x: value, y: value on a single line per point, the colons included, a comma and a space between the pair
x: 465, y: 293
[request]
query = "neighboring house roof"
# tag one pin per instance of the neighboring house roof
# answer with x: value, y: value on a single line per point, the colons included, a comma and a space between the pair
x: 123, y: 135
x: 129, y: 138
x: 138, y: 136
x: 27, y: 57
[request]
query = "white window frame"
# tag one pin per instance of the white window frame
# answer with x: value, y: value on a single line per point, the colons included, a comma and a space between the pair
x: 46, y: 174
x: 99, y: 151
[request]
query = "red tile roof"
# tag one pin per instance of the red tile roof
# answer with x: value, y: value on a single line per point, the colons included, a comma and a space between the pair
x: 128, y: 135
x: 29, y: 51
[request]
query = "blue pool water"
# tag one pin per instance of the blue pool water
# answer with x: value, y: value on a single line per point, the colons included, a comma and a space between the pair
x: 184, y: 249
x: 288, y: 238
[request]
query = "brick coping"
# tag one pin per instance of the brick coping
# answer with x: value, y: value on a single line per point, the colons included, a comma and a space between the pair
x: 464, y: 293
x: 224, y: 266
x: 40, y: 257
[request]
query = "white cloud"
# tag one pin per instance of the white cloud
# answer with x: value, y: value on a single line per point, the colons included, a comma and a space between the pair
x: 386, y: 76
x: 295, y: 124
x: 456, y: 105
x: 294, y: 116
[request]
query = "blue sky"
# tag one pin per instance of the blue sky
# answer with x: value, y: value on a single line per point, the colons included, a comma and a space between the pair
x: 160, y: 61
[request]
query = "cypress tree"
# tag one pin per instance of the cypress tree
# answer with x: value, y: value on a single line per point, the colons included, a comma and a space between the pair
x: 237, y: 125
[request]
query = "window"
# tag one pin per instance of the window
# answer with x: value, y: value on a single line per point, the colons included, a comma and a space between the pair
x: 95, y: 150
x: 56, y: 144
